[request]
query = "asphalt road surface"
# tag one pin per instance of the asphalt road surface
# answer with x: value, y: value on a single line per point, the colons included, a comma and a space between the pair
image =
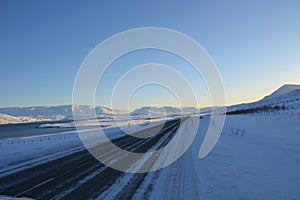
x: 79, y: 175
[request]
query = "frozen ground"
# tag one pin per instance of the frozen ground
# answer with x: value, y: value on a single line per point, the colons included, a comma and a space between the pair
x: 256, y: 157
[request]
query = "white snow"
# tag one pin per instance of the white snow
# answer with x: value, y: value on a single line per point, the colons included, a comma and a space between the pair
x: 2, y: 197
x: 39, y: 113
x: 287, y: 96
x: 31, y: 149
x: 8, y: 119
x: 164, y: 111
x: 283, y: 90
x: 257, y: 157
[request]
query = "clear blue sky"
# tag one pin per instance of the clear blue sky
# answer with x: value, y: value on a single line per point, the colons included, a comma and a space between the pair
x: 255, y: 44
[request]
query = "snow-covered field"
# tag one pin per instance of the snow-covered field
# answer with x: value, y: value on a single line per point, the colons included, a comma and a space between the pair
x: 256, y: 157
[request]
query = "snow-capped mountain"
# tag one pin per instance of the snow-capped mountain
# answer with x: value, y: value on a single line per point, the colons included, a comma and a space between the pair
x: 164, y: 110
x: 285, y: 89
x: 38, y: 111
x: 6, y: 119
x: 55, y: 112
x: 190, y: 110
x: 286, y: 98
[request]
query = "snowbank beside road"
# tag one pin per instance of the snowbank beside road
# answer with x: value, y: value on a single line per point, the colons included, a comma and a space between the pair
x: 261, y: 163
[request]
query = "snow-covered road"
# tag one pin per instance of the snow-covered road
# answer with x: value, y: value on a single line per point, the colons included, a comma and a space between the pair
x: 256, y: 157
x: 76, y: 175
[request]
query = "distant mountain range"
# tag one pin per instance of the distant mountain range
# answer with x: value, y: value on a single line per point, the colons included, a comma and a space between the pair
x: 286, y: 97
x: 46, y: 113
x: 7, y: 119
x: 164, y: 110
x: 53, y: 111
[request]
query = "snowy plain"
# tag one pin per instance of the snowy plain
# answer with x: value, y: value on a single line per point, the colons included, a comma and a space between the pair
x: 256, y: 157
